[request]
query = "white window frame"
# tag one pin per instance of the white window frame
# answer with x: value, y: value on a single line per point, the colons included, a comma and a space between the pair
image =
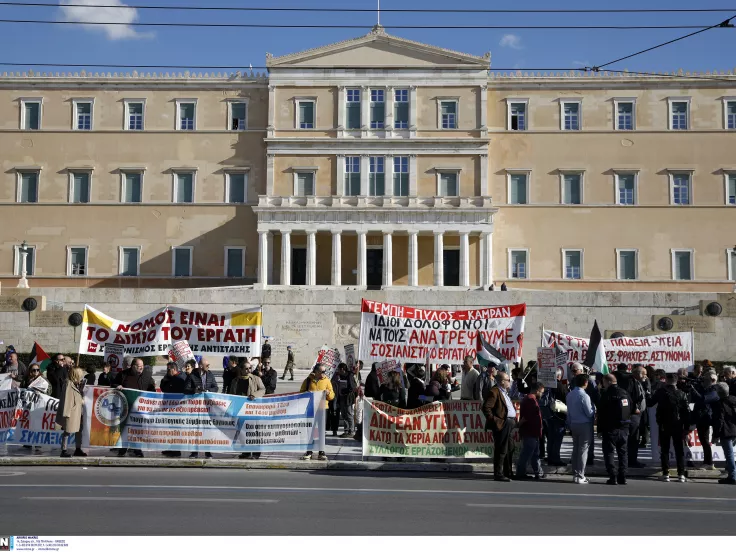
x: 394, y: 172
x: 439, y: 172
x: 730, y: 264
x: 564, y: 101
x: 230, y: 103
x: 616, y: 102
x: 23, y: 102
x: 179, y: 102
x: 727, y: 174
x: 126, y: 113
x: 120, y: 261
x: 173, y: 260
x: 370, y: 107
x: 671, y: 176
x: 456, y: 101
x: 618, y: 263
x: 297, y: 170
x: 228, y: 174
x: 726, y: 100
x: 515, y: 172
x: 123, y: 172
x: 19, y: 183
x: 675, y: 99
x: 299, y: 100
x: 75, y: 113
x: 692, y: 264
x: 69, y: 261
x: 16, y: 260
x: 175, y: 173
x: 228, y: 248
x: 624, y: 172
x: 70, y: 191
x: 581, y: 174
x: 509, y: 268
x: 582, y: 263
x: 408, y: 107
x: 524, y: 101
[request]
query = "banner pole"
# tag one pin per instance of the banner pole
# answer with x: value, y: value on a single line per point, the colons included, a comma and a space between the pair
x: 541, y: 339
x: 692, y: 343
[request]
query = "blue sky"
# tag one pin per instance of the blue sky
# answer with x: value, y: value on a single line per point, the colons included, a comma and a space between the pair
x: 712, y: 50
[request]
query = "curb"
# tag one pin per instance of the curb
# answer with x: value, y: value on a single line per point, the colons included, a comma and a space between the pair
x: 315, y: 465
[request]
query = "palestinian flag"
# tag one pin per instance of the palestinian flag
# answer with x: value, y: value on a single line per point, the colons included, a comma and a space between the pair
x: 595, y: 358
x: 486, y: 354
x: 39, y: 356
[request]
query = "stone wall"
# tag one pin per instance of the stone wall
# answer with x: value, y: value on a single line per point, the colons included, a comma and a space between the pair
x: 308, y: 319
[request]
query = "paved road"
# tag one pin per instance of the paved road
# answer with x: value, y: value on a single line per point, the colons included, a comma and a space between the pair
x: 160, y: 501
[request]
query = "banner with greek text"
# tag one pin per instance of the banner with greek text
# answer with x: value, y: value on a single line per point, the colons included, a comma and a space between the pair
x: 670, y: 351
x: 208, y: 422
x: 28, y: 417
x: 236, y: 333
x: 693, y: 449
x: 410, y: 334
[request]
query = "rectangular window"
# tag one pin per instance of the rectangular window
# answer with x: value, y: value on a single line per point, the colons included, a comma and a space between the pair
x: 682, y: 265
x: 573, y: 265
x: 448, y: 184
x: 376, y: 182
x: 519, y: 264
x: 306, y: 113
x: 31, y: 115
x: 135, y: 115
x: 83, y: 115
x: 77, y: 261
x: 184, y: 188
x: 518, y: 189
x: 679, y: 115
x: 182, y: 261
x: 129, y: 261
x: 401, y: 108
x: 80, y: 187
x: 352, y: 176
x: 681, y: 189
x: 572, y: 189
x: 352, y: 108
x: 571, y: 115
x: 132, y: 187
x: 517, y: 116
x: 625, y: 116
x: 234, y: 262
x: 626, y: 189
x: 401, y: 176
x: 731, y: 189
x: 627, y: 269
x: 731, y: 264
x: 28, y: 187
x: 378, y: 108
x: 30, y: 260
x: 237, y: 116
x: 448, y: 112
x: 305, y: 184
x: 236, y: 187
x: 187, y: 115
x: 731, y: 115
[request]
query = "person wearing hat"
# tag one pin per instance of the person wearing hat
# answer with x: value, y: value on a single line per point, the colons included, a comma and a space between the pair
x: 289, y: 364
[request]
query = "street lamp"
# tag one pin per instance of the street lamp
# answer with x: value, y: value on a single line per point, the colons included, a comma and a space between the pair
x: 23, y: 250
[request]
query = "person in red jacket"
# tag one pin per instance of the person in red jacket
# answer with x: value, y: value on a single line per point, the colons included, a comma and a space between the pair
x: 530, y: 430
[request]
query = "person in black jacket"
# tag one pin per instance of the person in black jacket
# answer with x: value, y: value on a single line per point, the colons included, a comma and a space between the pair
x: 372, y: 387
x: 265, y: 351
x: 269, y: 376
x: 416, y: 387
x: 134, y: 377
x: 553, y: 423
x: 57, y: 373
x: 174, y: 381
x: 105, y: 379
x: 614, y: 419
x: 393, y: 392
x: 630, y: 384
x: 724, y: 427
x: 201, y: 380
x: 673, y: 419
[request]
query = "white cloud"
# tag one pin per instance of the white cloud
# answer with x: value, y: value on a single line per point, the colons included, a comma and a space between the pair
x: 511, y: 41
x: 82, y: 14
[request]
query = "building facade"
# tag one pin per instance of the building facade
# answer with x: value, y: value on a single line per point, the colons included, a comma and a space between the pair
x: 370, y: 163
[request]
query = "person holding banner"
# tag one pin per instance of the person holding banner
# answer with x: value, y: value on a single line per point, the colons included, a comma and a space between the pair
x: 35, y: 380
x: 174, y: 381
x: 57, y: 374
x: 372, y: 386
x: 392, y: 391
x: 105, y: 378
x: 248, y: 385
x: 318, y: 381
x: 70, y: 412
x: 501, y: 420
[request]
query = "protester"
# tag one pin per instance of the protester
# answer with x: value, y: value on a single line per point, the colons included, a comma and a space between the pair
x: 485, y: 381
x: 593, y: 393
x: 318, y: 381
x: 440, y: 387
x: 501, y: 420
x: 372, y: 387
x: 289, y: 364
x: 580, y: 415
x: 703, y: 396
x: 346, y: 389
x: 247, y: 384
x: 105, y: 379
x: 34, y: 373
x: 347, y: 407
x: 228, y: 373
x: 416, y: 387
x: 554, y: 420
x: 265, y: 350
x: 614, y: 421
x: 725, y: 429
x: 269, y: 376
x: 392, y: 391
x: 56, y: 373
x: 728, y: 376
x: 644, y: 379
x: 134, y: 377
x: 174, y: 381
x: 519, y: 387
x: 70, y: 411
x: 631, y: 384
x: 17, y: 370
x: 201, y: 380
x: 673, y: 419
x: 470, y: 375
x: 530, y: 431
x: 90, y: 376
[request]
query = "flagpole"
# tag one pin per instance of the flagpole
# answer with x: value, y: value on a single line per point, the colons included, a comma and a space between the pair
x: 692, y: 344
x: 541, y: 341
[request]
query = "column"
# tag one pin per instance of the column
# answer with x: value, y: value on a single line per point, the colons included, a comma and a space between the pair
x: 484, y: 109
x: 362, y: 258
x: 464, y: 260
x: 340, y: 185
x: 412, y: 111
x: 388, y: 168
x: 336, y: 279
x: 439, y: 258
x: 341, y: 99
x: 270, y: 159
x: 286, y: 257
x: 389, y: 119
x: 388, y: 265
x: 412, y: 176
x: 271, y: 110
x: 269, y: 252
x: 365, y: 109
x: 311, y: 257
x: 263, y: 257
x: 486, y: 255
x: 413, y: 259
x: 365, y: 166
x: 484, y: 175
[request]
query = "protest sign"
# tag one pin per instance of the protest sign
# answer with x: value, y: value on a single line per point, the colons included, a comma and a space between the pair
x: 330, y: 357
x: 547, y: 367
x: 693, y: 448
x: 350, y: 356
x: 114, y: 353
x: 385, y: 368
x: 207, y: 422
x: 8, y: 402
x: 180, y: 353
x: 40, y: 384
x: 28, y: 417
x: 410, y: 334
x: 670, y: 351
x: 236, y: 333
x: 6, y: 382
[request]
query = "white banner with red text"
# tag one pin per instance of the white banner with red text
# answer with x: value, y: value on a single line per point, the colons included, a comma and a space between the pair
x: 28, y: 417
